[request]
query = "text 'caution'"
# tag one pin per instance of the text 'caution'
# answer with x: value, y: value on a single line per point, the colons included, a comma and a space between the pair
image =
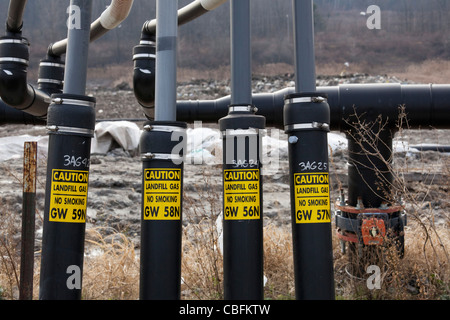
x: 68, y: 197
x: 162, y: 194
x: 242, y: 194
x: 312, y: 198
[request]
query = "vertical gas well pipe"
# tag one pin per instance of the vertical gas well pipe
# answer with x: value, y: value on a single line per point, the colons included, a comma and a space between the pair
x: 161, y: 147
x: 242, y: 181
x: 306, y: 121
x: 70, y: 124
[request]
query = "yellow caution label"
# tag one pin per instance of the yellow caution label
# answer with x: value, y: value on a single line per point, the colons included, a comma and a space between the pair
x: 68, y: 196
x: 241, y: 194
x: 312, y: 198
x: 162, y: 194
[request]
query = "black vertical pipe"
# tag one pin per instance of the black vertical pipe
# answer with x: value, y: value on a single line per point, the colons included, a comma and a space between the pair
x: 369, y: 166
x: 66, y: 195
x: 242, y: 204
x: 307, y: 118
x: 161, y: 148
x: 71, y: 124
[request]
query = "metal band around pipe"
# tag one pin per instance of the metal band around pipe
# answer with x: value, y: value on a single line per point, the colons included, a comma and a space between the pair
x: 53, y: 81
x: 163, y: 128
x: 76, y: 102
x: 247, y: 108
x: 240, y: 132
x: 317, y: 99
x: 65, y: 129
x: 51, y: 64
x: 307, y: 126
x: 162, y: 156
x: 144, y: 55
x: 21, y: 41
x: 14, y: 59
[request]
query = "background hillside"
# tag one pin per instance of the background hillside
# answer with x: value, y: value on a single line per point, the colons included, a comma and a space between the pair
x: 412, y: 31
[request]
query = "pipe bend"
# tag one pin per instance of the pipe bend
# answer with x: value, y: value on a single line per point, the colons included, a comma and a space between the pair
x: 188, y: 13
x: 144, y: 73
x: 9, y: 115
x: 14, y: 89
x: 116, y: 12
x: 14, y: 58
x: 14, y: 22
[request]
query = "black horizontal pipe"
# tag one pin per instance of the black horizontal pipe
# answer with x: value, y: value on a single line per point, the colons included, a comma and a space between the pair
x: 425, y: 105
x: 10, y: 115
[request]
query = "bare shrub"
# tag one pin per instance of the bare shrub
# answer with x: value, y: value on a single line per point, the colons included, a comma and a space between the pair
x: 423, y: 271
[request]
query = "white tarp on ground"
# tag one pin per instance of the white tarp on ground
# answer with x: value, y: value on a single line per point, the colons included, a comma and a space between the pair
x: 12, y: 147
x: 110, y: 134
x: 204, y: 145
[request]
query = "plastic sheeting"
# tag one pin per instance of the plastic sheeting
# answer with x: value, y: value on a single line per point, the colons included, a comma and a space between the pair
x: 112, y: 134
x: 204, y: 145
x: 12, y: 147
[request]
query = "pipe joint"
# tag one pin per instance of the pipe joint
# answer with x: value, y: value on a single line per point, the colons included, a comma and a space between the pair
x: 14, y: 50
x: 51, y: 75
x: 242, y: 116
x: 306, y: 111
x: 82, y: 115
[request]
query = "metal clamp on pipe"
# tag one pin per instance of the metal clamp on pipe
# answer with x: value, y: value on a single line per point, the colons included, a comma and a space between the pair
x: 306, y: 121
x: 71, y: 123
x: 82, y: 115
x: 242, y: 203
x: 306, y: 111
x: 162, y: 146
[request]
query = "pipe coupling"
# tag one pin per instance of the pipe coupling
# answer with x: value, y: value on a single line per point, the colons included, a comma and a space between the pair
x: 306, y: 111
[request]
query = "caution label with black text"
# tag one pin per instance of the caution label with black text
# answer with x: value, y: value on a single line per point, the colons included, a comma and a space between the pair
x: 242, y: 194
x: 68, y: 197
x: 312, y: 198
x: 162, y: 194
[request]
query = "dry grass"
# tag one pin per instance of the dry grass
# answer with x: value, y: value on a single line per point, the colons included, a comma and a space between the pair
x: 111, y: 266
x: 111, y: 269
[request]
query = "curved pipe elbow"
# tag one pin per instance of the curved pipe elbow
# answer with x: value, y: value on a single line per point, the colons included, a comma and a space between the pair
x: 117, y: 12
x: 14, y: 57
x: 144, y: 86
x: 14, y: 87
x: 15, y: 13
x: 17, y: 93
x: 114, y: 14
x: 188, y: 13
x: 144, y: 57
